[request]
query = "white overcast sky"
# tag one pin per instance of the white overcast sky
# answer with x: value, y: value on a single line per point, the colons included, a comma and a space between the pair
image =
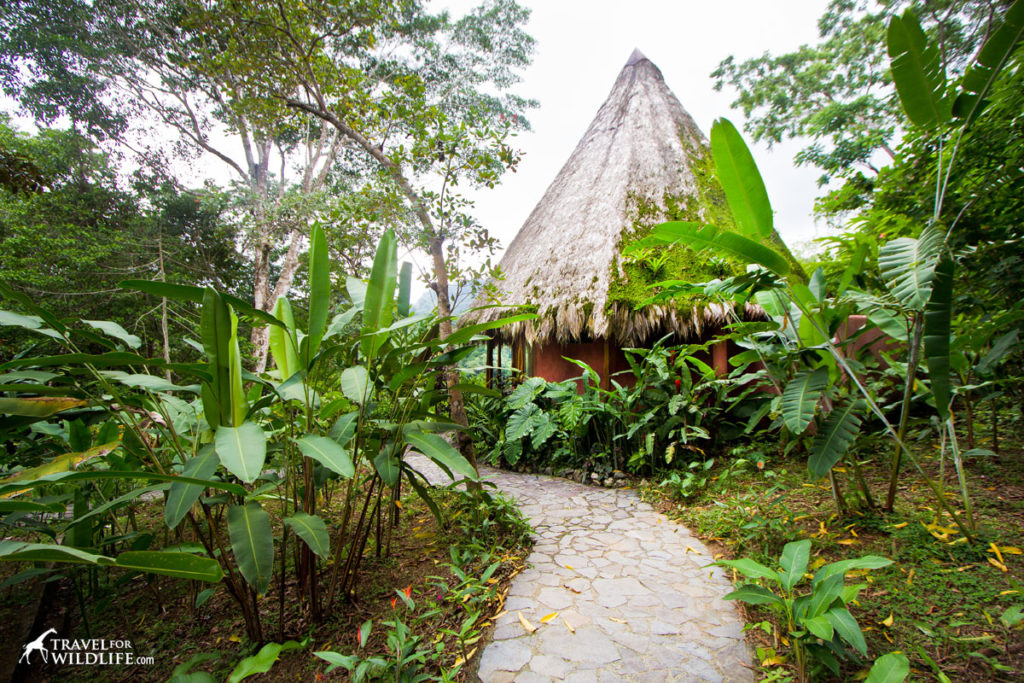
x: 583, y: 44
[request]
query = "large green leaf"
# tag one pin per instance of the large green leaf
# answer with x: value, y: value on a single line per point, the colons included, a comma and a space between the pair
x: 345, y: 428
x: 242, y: 450
x: 891, y: 668
x: 917, y: 72
x: 388, y: 466
x: 825, y: 593
x: 355, y: 384
x: 182, y: 497
x: 697, y: 236
x: 39, y: 406
x: 282, y: 340
x: 853, y: 268
x: 319, y: 292
x: 464, y: 334
x: 238, y: 403
x: 252, y: 541
x: 328, y: 453
x: 819, y: 626
x: 751, y: 569
x: 262, y: 661
x: 312, y: 530
x: 754, y: 595
x: 148, y: 382
x: 404, y: 289
x: 835, y: 437
x: 800, y: 397
x: 938, y: 316
x: 215, y: 332
x: 843, y: 566
x: 28, y: 322
x: 46, y: 552
x: 178, y: 565
x: 993, y: 56
x: 413, y: 370
x: 846, y: 626
x: 380, y: 294
x: 744, y: 188
x: 795, y: 556
x: 908, y: 266
x: 522, y: 422
x: 99, y: 360
x: 196, y: 294
x: 61, y: 464
x: 8, y: 489
x: 116, y: 331
x: 443, y: 453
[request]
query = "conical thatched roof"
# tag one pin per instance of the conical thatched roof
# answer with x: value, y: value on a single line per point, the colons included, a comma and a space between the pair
x: 642, y: 160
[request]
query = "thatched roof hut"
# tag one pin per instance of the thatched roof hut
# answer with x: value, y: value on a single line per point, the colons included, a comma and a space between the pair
x: 642, y: 161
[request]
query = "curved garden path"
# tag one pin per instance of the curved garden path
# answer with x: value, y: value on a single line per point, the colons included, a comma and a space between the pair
x: 634, y: 599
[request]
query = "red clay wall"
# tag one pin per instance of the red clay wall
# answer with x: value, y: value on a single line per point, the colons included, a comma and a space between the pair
x: 548, y: 361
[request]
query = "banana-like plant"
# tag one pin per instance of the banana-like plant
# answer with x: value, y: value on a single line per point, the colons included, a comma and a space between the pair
x: 919, y: 270
x: 349, y: 396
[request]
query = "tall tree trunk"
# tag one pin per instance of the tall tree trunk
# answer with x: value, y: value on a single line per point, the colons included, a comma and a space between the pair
x: 266, y: 298
x: 451, y: 375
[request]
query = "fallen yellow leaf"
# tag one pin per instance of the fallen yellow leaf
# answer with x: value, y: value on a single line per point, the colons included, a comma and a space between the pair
x: 548, y: 617
x: 1010, y: 550
x: 618, y: 621
x: 848, y: 541
x: 899, y: 526
x: 997, y: 564
x: 235, y: 639
x: 530, y: 628
x: 910, y: 576
x: 888, y: 621
x: 568, y: 625
x: 469, y: 655
x: 994, y: 548
x: 569, y: 566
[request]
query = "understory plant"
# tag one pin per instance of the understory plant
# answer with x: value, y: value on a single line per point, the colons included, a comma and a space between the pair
x: 295, y: 472
x: 670, y: 409
x: 917, y: 309
x: 815, y: 617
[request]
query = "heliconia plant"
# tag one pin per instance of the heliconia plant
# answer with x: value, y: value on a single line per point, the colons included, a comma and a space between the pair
x: 919, y: 271
x: 269, y: 448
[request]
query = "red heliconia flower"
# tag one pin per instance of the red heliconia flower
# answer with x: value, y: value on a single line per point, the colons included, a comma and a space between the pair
x: 678, y: 384
x: 408, y: 591
x: 359, y: 636
x: 393, y: 603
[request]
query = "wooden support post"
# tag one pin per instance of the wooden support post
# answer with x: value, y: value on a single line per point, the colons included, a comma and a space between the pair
x: 720, y: 358
x: 606, y: 376
x: 489, y: 372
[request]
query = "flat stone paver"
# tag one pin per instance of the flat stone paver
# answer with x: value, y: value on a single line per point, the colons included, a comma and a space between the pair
x: 634, y: 599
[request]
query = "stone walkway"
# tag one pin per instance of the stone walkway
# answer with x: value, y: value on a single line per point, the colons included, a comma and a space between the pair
x: 633, y: 599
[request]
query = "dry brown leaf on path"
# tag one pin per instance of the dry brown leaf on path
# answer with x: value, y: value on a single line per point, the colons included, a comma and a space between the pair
x: 530, y: 628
